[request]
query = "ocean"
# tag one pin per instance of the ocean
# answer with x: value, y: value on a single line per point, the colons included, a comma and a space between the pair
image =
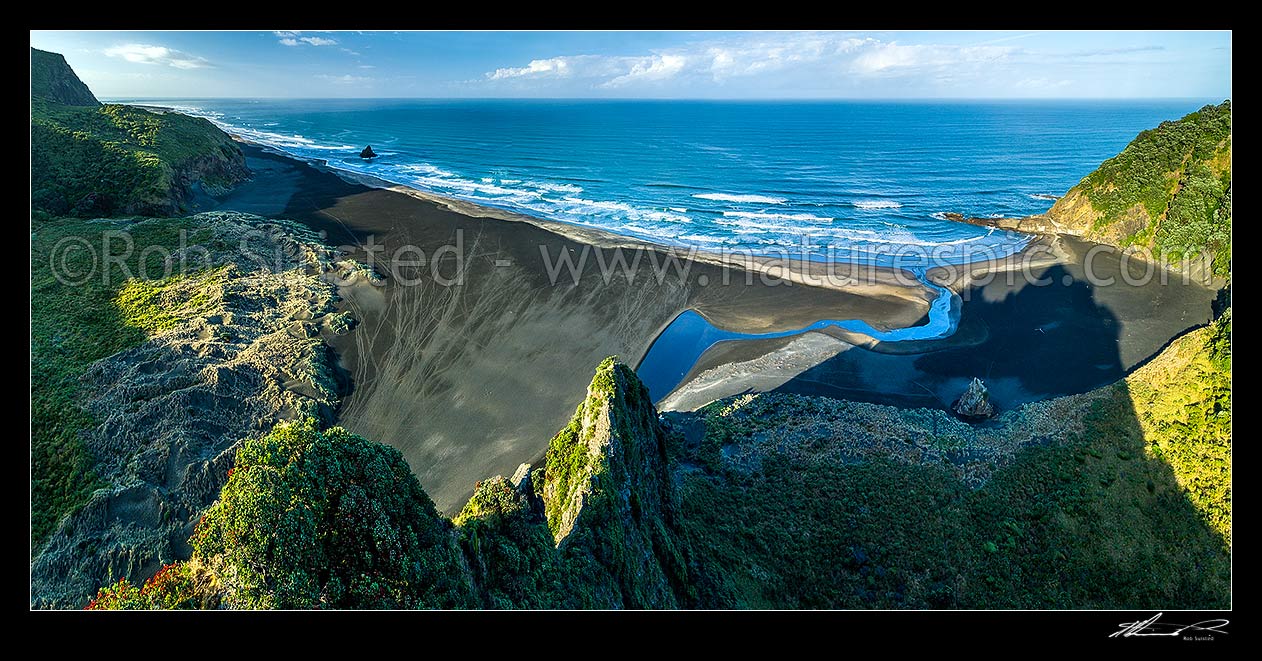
x: 835, y: 180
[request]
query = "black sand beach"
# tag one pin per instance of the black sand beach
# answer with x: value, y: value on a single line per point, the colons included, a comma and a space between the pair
x: 473, y: 379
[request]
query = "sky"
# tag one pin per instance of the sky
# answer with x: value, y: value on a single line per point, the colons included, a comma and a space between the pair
x: 682, y: 64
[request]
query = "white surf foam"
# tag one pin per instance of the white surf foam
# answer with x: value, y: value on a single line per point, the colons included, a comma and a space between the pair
x: 554, y: 188
x: 755, y: 215
x: 751, y: 199
x: 876, y: 204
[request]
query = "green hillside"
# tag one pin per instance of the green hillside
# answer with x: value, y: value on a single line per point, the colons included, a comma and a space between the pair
x: 1168, y: 191
x: 93, y: 160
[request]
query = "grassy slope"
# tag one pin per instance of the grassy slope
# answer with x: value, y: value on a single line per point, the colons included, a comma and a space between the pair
x: 1129, y: 512
x: 75, y: 323
x: 1169, y: 190
x: 128, y: 155
x: 1183, y: 404
x: 1091, y: 520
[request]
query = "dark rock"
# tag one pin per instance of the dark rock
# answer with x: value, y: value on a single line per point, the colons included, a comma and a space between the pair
x: 368, y: 152
x: 974, y: 404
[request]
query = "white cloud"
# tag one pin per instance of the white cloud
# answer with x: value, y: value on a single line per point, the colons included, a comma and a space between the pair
x: 657, y: 67
x: 759, y: 57
x: 149, y: 54
x: 1042, y: 84
x: 295, y: 38
x: 606, y: 71
x: 346, y: 79
x: 812, y: 64
x: 556, y: 66
x: 892, y: 57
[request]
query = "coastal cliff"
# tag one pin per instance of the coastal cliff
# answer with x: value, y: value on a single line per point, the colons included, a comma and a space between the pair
x: 92, y: 160
x: 1169, y: 191
x: 53, y: 79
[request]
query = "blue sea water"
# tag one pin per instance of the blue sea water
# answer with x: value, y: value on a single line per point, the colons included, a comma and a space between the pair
x: 852, y: 181
x: 860, y: 179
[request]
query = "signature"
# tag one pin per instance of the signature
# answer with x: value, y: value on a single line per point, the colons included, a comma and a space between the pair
x: 1153, y: 627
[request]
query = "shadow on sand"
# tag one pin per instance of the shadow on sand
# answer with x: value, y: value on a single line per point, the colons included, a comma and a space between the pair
x: 1091, y: 519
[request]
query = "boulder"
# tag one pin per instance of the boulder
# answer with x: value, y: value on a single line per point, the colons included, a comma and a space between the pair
x: 974, y: 404
x: 368, y: 152
x: 521, y: 478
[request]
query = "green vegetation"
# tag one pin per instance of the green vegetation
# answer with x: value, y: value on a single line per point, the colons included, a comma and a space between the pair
x: 568, y: 462
x: 312, y: 519
x: 1126, y: 510
x: 104, y: 160
x: 609, y: 537
x: 90, y: 160
x: 178, y: 586
x: 509, y: 551
x: 93, y: 160
x: 75, y: 323
x: 1183, y: 403
x: 1086, y: 521
x: 154, y: 306
x: 53, y: 80
x: 1169, y: 190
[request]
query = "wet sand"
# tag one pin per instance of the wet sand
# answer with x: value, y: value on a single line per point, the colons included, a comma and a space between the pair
x: 1027, y: 341
x: 470, y: 380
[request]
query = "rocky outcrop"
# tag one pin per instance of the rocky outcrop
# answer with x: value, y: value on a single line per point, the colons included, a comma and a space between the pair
x: 974, y: 404
x: 1037, y: 224
x: 172, y: 410
x: 368, y: 152
x: 611, y: 505
x: 53, y: 79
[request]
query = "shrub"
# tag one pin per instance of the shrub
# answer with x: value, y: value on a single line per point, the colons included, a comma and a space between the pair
x: 312, y: 519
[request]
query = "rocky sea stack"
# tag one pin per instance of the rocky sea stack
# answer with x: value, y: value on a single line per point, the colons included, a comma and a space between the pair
x: 368, y: 152
x: 974, y: 404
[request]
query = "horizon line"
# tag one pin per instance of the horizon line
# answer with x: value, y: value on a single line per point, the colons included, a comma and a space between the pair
x: 668, y: 98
